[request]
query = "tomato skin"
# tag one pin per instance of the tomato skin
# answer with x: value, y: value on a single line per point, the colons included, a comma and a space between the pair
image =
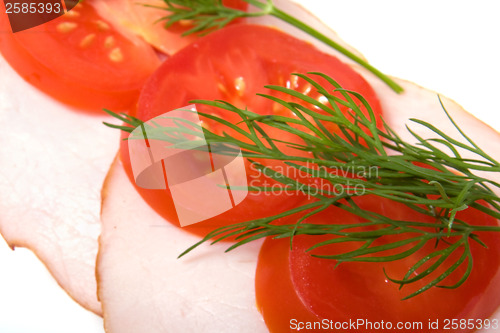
x: 253, y: 206
x: 148, y: 21
x: 236, y: 4
x: 81, y: 72
x: 233, y: 64
x: 272, y: 288
x: 354, y: 291
x: 56, y: 63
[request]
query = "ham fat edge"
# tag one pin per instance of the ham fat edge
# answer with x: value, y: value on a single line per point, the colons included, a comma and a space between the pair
x: 53, y: 162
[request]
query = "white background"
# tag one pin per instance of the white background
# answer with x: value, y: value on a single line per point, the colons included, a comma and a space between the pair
x: 447, y: 46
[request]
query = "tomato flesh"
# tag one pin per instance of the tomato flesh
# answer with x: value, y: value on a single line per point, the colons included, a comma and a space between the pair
x: 146, y: 19
x: 315, y: 288
x: 80, y: 59
x: 234, y: 64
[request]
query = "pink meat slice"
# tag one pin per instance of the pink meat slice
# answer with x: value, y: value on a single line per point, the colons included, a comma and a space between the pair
x: 142, y: 286
x: 53, y: 161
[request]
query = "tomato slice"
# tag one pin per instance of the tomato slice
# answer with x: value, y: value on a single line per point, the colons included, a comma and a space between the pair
x: 80, y: 59
x: 144, y: 18
x: 314, y: 289
x: 234, y: 64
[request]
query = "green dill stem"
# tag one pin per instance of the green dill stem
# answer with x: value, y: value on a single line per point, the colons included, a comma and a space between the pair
x: 272, y: 10
x: 212, y: 14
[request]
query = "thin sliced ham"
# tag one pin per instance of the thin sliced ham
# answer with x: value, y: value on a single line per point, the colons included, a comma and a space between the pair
x: 53, y: 161
x: 140, y: 290
x: 141, y: 18
x: 143, y: 287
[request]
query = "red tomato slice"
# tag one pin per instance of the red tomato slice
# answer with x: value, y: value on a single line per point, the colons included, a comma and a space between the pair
x: 313, y: 290
x: 233, y: 64
x: 146, y: 21
x: 80, y: 59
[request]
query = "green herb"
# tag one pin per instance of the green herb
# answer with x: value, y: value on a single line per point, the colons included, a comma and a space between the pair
x: 422, y: 176
x: 207, y: 15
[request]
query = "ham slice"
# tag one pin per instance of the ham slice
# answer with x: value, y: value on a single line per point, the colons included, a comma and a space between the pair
x: 142, y: 286
x: 152, y: 290
x: 53, y: 161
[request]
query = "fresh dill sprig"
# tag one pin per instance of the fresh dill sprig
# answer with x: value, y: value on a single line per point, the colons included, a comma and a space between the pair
x: 206, y: 15
x: 131, y: 121
x: 423, y: 176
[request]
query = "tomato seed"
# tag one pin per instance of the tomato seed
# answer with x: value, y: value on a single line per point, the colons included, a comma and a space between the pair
x: 116, y: 55
x: 65, y: 27
x: 222, y: 88
x: 72, y: 13
x: 87, y: 40
x: 109, y: 42
x: 101, y: 25
x: 240, y: 85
